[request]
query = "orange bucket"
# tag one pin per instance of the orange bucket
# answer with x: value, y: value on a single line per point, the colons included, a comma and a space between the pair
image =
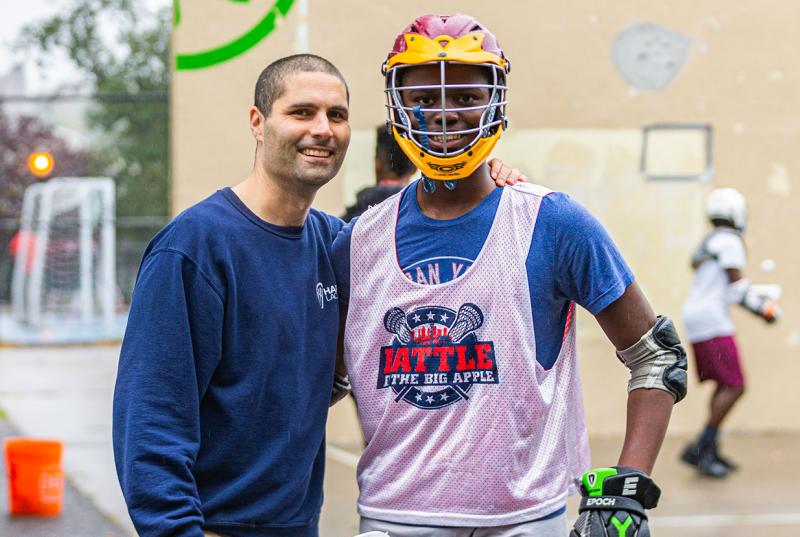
x: 35, y: 476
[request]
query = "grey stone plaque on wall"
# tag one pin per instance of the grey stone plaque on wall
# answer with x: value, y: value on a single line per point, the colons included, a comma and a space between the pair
x: 649, y: 55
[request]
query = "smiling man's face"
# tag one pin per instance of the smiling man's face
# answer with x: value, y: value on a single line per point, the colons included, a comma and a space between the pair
x: 307, y: 131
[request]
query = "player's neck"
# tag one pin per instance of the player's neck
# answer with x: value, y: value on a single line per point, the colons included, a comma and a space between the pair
x: 445, y: 204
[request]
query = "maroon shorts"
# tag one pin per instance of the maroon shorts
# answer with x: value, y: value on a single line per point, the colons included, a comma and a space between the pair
x: 718, y: 359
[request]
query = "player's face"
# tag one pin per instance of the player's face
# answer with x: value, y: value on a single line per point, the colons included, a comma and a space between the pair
x: 455, y: 98
x: 307, y: 132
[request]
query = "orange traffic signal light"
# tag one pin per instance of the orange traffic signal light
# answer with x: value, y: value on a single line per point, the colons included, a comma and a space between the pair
x: 40, y: 163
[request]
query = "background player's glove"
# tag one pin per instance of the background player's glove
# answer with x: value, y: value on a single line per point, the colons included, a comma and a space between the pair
x: 614, y: 502
x: 762, y: 300
x: 770, y: 311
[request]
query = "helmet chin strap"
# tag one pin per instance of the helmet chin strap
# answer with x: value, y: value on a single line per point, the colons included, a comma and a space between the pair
x: 428, y: 185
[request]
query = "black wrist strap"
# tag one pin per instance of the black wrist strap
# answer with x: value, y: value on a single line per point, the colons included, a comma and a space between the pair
x: 611, y: 503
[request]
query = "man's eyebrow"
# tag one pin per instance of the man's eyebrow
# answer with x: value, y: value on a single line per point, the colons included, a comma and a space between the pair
x: 337, y: 108
x: 340, y: 109
x: 302, y: 105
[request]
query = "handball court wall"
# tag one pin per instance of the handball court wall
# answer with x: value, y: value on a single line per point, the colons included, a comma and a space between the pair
x: 585, y: 82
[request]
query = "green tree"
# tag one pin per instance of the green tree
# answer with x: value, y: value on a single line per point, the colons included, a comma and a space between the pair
x: 18, y: 139
x: 124, y: 54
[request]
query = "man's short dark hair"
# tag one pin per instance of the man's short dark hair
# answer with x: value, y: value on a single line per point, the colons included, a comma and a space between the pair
x: 389, y: 153
x: 271, y: 82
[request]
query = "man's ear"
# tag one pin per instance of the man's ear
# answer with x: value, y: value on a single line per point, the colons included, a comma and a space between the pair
x: 257, y: 124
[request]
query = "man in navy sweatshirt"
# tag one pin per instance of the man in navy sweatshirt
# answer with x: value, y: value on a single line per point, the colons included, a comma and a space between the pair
x: 227, y: 362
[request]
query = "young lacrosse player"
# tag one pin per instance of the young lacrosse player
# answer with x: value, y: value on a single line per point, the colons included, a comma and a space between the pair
x: 460, y: 299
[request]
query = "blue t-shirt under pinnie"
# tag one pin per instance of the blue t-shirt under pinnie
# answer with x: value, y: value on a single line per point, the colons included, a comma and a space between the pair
x: 571, y: 258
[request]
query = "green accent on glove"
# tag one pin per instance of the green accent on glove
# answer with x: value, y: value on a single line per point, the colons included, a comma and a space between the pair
x: 622, y: 527
x: 593, y: 480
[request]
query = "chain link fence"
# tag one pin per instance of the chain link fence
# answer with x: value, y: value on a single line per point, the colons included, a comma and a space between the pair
x: 133, y: 233
x: 122, y: 136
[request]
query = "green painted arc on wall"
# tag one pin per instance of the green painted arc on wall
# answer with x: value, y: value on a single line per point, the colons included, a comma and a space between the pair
x: 243, y: 43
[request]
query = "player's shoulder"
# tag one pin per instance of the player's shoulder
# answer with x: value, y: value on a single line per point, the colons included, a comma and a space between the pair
x: 722, y: 238
x: 554, y: 205
x: 561, y: 215
x: 530, y: 189
x: 546, y: 196
x: 527, y: 197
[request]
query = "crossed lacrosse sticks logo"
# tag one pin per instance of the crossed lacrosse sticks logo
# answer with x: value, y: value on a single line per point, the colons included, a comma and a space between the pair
x: 435, y: 357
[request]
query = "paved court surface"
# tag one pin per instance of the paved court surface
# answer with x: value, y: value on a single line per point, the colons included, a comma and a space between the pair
x: 65, y: 392
x: 759, y: 499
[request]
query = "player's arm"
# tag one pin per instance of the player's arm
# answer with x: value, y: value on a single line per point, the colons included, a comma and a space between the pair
x: 729, y: 252
x: 615, y: 499
x: 625, y: 322
x: 592, y: 272
x: 171, y: 348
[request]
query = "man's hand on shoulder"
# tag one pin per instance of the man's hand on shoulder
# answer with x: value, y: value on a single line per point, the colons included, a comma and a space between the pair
x: 503, y: 174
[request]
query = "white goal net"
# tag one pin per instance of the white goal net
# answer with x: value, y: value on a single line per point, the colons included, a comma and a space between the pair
x: 65, y: 264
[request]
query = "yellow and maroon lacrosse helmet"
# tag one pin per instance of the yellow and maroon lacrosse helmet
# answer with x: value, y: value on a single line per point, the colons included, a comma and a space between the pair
x: 441, y: 40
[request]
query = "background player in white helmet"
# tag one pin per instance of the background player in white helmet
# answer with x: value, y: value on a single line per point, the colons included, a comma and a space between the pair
x: 460, y: 333
x: 719, y: 281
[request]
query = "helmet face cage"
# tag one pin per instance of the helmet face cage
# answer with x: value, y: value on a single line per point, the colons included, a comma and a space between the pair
x: 399, y: 116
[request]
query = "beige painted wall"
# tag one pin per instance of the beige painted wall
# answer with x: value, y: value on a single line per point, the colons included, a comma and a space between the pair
x: 576, y: 126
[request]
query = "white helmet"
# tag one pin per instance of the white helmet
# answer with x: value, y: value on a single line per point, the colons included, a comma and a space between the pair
x: 727, y: 204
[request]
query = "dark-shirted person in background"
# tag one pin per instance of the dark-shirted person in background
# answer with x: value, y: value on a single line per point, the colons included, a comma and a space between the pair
x: 393, y: 171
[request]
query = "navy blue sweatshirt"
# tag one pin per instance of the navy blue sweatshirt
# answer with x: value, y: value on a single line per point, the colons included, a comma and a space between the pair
x: 225, y: 374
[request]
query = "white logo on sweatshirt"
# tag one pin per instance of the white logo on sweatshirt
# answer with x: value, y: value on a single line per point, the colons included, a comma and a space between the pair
x: 326, y: 294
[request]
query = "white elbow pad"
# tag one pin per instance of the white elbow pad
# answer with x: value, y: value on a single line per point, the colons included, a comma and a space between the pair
x: 657, y: 360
